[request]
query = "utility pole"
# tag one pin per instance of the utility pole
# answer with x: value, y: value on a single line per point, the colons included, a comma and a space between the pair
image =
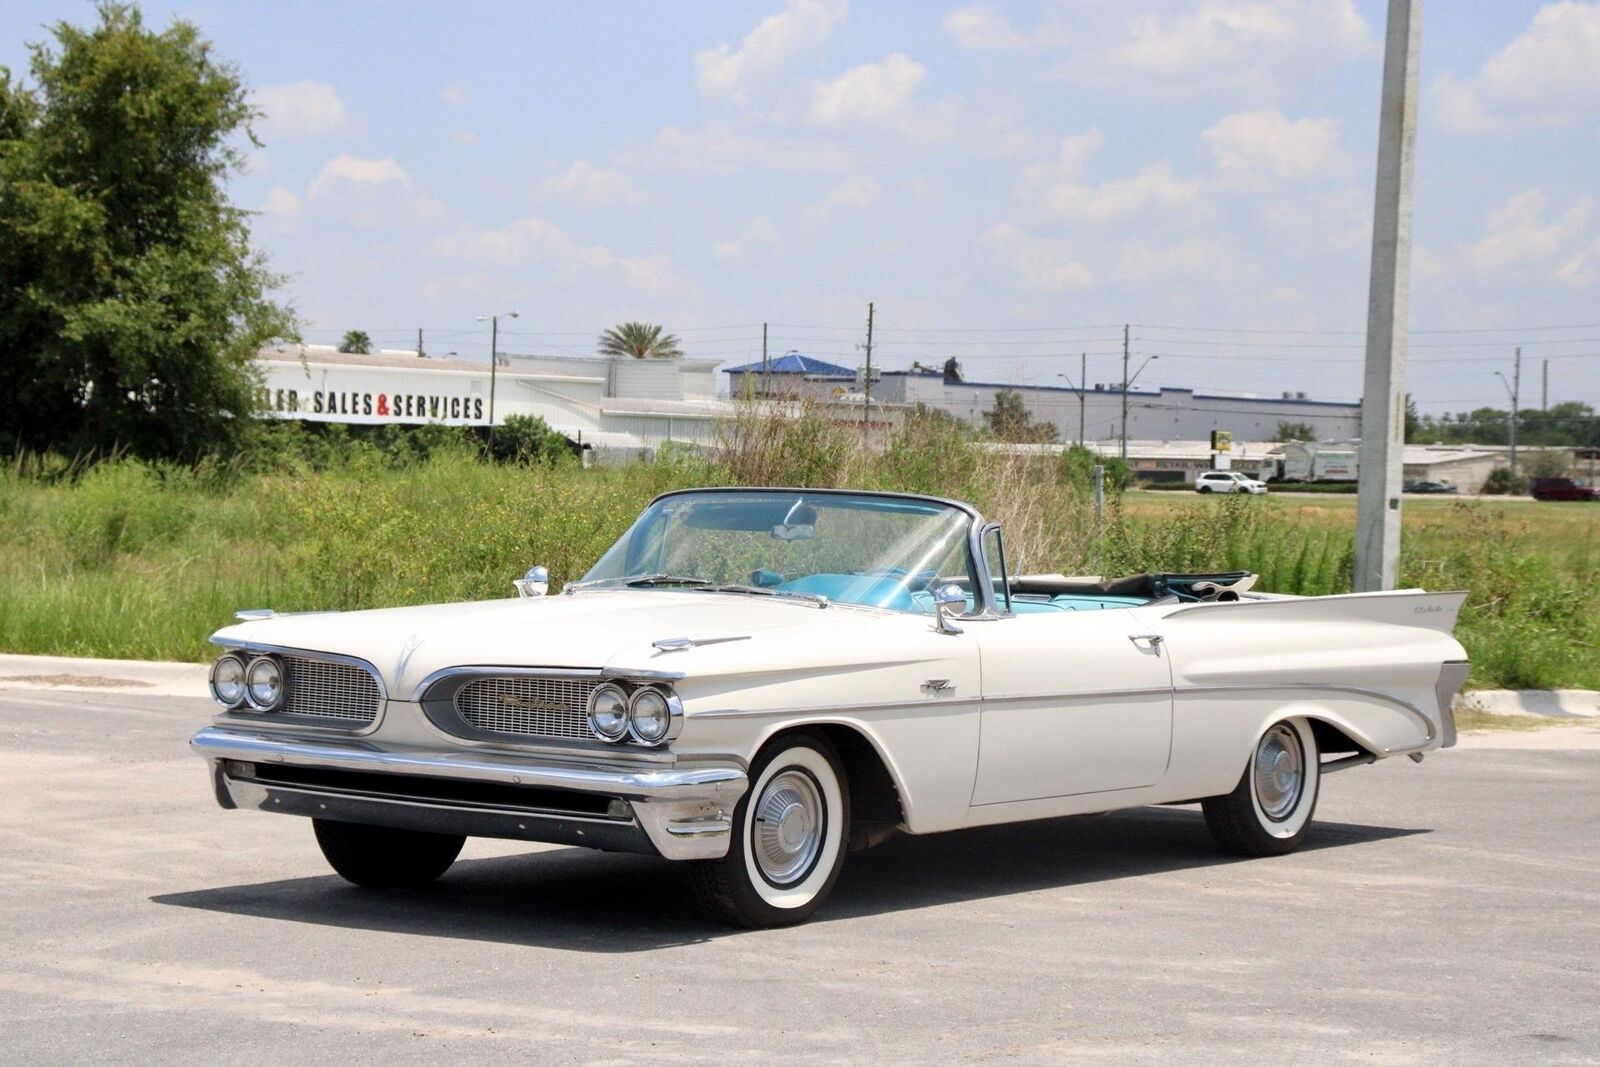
x: 1383, y: 401
x: 1124, y: 451
x: 866, y: 408
x: 766, y: 366
x: 494, y: 365
x: 1083, y: 383
x: 420, y: 352
x: 1544, y: 388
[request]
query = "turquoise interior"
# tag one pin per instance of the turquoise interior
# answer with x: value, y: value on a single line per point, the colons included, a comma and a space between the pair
x: 887, y: 591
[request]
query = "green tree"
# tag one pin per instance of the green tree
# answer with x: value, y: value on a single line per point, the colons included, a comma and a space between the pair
x: 640, y: 340
x: 356, y: 342
x: 529, y: 439
x: 1010, y: 421
x: 131, y: 302
x: 1078, y: 464
x: 1295, y: 431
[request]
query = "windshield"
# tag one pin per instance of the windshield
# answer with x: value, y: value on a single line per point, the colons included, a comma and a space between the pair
x: 880, y: 551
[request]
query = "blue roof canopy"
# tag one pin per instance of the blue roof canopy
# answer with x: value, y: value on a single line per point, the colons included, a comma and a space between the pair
x: 795, y: 363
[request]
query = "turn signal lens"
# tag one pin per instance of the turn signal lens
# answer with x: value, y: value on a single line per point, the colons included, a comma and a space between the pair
x: 649, y: 716
x: 227, y: 681
x: 263, y: 683
x: 608, y: 713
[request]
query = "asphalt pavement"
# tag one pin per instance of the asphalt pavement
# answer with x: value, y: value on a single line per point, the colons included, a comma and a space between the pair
x: 1448, y: 912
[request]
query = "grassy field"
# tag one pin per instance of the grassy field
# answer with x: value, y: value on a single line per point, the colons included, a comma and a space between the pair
x: 128, y: 560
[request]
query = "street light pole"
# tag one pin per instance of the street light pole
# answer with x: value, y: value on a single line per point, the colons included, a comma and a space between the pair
x: 494, y: 365
x: 1127, y: 383
x: 1083, y: 377
x: 1514, y: 390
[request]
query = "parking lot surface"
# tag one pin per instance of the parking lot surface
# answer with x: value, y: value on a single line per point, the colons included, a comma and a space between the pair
x: 1442, y: 913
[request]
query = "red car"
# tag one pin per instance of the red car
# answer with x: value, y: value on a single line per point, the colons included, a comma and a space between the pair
x: 1563, y: 489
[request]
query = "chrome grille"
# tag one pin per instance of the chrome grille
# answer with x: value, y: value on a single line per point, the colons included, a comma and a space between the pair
x: 322, y: 690
x: 534, y: 707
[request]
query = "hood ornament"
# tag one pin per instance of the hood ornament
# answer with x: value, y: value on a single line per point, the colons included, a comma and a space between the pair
x: 682, y: 644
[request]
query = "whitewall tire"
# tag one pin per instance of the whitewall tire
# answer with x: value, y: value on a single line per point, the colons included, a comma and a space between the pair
x: 789, y: 834
x: 1269, y: 810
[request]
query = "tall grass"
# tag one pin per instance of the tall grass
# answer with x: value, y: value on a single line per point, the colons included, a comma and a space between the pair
x: 121, y: 558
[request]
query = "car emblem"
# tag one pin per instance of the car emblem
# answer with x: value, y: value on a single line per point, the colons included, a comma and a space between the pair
x: 938, y: 685
x: 511, y: 700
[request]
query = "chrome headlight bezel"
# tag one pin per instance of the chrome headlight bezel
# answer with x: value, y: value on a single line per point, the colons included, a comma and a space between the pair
x: 651, y: 737
x: 279, y: 699
x: 211, y: 681
x: 609, y: 689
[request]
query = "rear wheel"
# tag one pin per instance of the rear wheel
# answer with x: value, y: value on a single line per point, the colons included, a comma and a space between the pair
x: 789, y: 833
x: 1269, y: 810
x: 381, y: 857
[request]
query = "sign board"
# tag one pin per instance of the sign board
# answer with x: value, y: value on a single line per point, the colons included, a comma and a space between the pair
x: 1222, y: 440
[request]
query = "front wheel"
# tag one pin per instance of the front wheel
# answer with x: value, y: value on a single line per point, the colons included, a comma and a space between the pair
x: 381, y: 857
x: 788, y: 839
x: 1269, y: 810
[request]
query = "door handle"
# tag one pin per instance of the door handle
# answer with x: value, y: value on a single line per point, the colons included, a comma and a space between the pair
x: 1152, y: 641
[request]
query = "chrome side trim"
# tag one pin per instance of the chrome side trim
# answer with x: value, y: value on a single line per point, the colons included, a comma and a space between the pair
x: 1313, y: 687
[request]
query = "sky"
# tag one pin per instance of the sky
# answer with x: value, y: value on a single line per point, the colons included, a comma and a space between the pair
x: 1006, y: 183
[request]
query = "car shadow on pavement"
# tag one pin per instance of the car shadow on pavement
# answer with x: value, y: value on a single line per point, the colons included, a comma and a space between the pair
x: 582, y: 900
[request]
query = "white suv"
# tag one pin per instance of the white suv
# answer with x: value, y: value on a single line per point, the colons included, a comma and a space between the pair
x: 1227, y: 482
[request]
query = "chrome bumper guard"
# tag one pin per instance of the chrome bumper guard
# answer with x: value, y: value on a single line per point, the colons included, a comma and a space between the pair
x: 678, y: 813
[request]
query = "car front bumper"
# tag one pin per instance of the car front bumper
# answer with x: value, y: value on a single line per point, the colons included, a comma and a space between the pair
x: 680, y: 813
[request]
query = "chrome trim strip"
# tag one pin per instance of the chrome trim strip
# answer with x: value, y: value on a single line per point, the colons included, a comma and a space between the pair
x: 722, y: 784
x: 307, y: 653
x: 491, y: 670
x: 1354, y: 690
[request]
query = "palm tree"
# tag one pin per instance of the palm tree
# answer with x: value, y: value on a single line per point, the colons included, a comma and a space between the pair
x: 641, y: 340
x: 356, y: 342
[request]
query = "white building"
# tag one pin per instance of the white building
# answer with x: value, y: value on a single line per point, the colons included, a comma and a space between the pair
x: 1162, y: 414
x: 620, y: 408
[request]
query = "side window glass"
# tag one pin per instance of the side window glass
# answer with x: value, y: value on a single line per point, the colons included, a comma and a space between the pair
x: 994, y: 554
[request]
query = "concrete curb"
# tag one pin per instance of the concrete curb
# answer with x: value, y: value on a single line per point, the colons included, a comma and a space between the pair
x: 1544, y: 703
x: 155, y: 678
x: 144, y: 677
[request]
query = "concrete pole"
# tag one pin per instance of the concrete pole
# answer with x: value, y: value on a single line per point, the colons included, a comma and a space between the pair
x: 1516, y: 397
x: 1383, y: 400
x: 1123, y: 452
x: 1083, y: 383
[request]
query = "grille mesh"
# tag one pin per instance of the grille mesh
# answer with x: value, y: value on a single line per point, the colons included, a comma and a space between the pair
x: 534, y: 707
x: 321, y: 690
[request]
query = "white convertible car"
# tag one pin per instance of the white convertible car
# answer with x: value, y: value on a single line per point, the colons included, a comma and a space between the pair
x: 757, y: 681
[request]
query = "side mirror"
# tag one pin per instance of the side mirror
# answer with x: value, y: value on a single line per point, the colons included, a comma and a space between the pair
x: 535, y: 583
x: 948, y: 600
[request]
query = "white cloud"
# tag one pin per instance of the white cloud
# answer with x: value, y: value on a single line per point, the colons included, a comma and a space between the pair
x: 719, y: 148
x: 1138, y: 262
x: 281, y: 203
x: 1058, y: 192
x: 595, y: 185
x: 872, y: 92
x: 347, y: 168
x: 1041, y: 263
x: 455, y: 94
x: 758, y: 237
x: 854, y: 194
x: 1265, y: 143
x: 1583, y: 268
x: 301, y: 109
x: 731, y: 72
x: 1218, y: 44
x: 983, y: 28
x: 1550, y: 73
x: 1517, y: 234
x: 533, y: 240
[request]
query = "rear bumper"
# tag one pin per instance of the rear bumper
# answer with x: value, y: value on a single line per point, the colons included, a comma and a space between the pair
x: 678, y: 813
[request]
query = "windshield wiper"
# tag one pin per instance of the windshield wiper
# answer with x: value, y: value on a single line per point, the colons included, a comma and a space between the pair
x: 642, y: 581
x: 790, y: 594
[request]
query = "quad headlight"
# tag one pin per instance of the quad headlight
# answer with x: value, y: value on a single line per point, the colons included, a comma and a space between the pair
x: 608, y: 712
x: 263, y: 683
x: 649, y: 715
x: 227, y: 681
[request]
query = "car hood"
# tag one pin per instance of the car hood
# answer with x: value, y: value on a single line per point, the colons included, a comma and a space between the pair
x: 594, y: 629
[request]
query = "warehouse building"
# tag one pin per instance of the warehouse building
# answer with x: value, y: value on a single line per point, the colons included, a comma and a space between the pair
x: 616, y: 408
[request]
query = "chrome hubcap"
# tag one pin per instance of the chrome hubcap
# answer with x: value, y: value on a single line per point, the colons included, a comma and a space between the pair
x: 787, y: 832
x: 1280, y: 772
